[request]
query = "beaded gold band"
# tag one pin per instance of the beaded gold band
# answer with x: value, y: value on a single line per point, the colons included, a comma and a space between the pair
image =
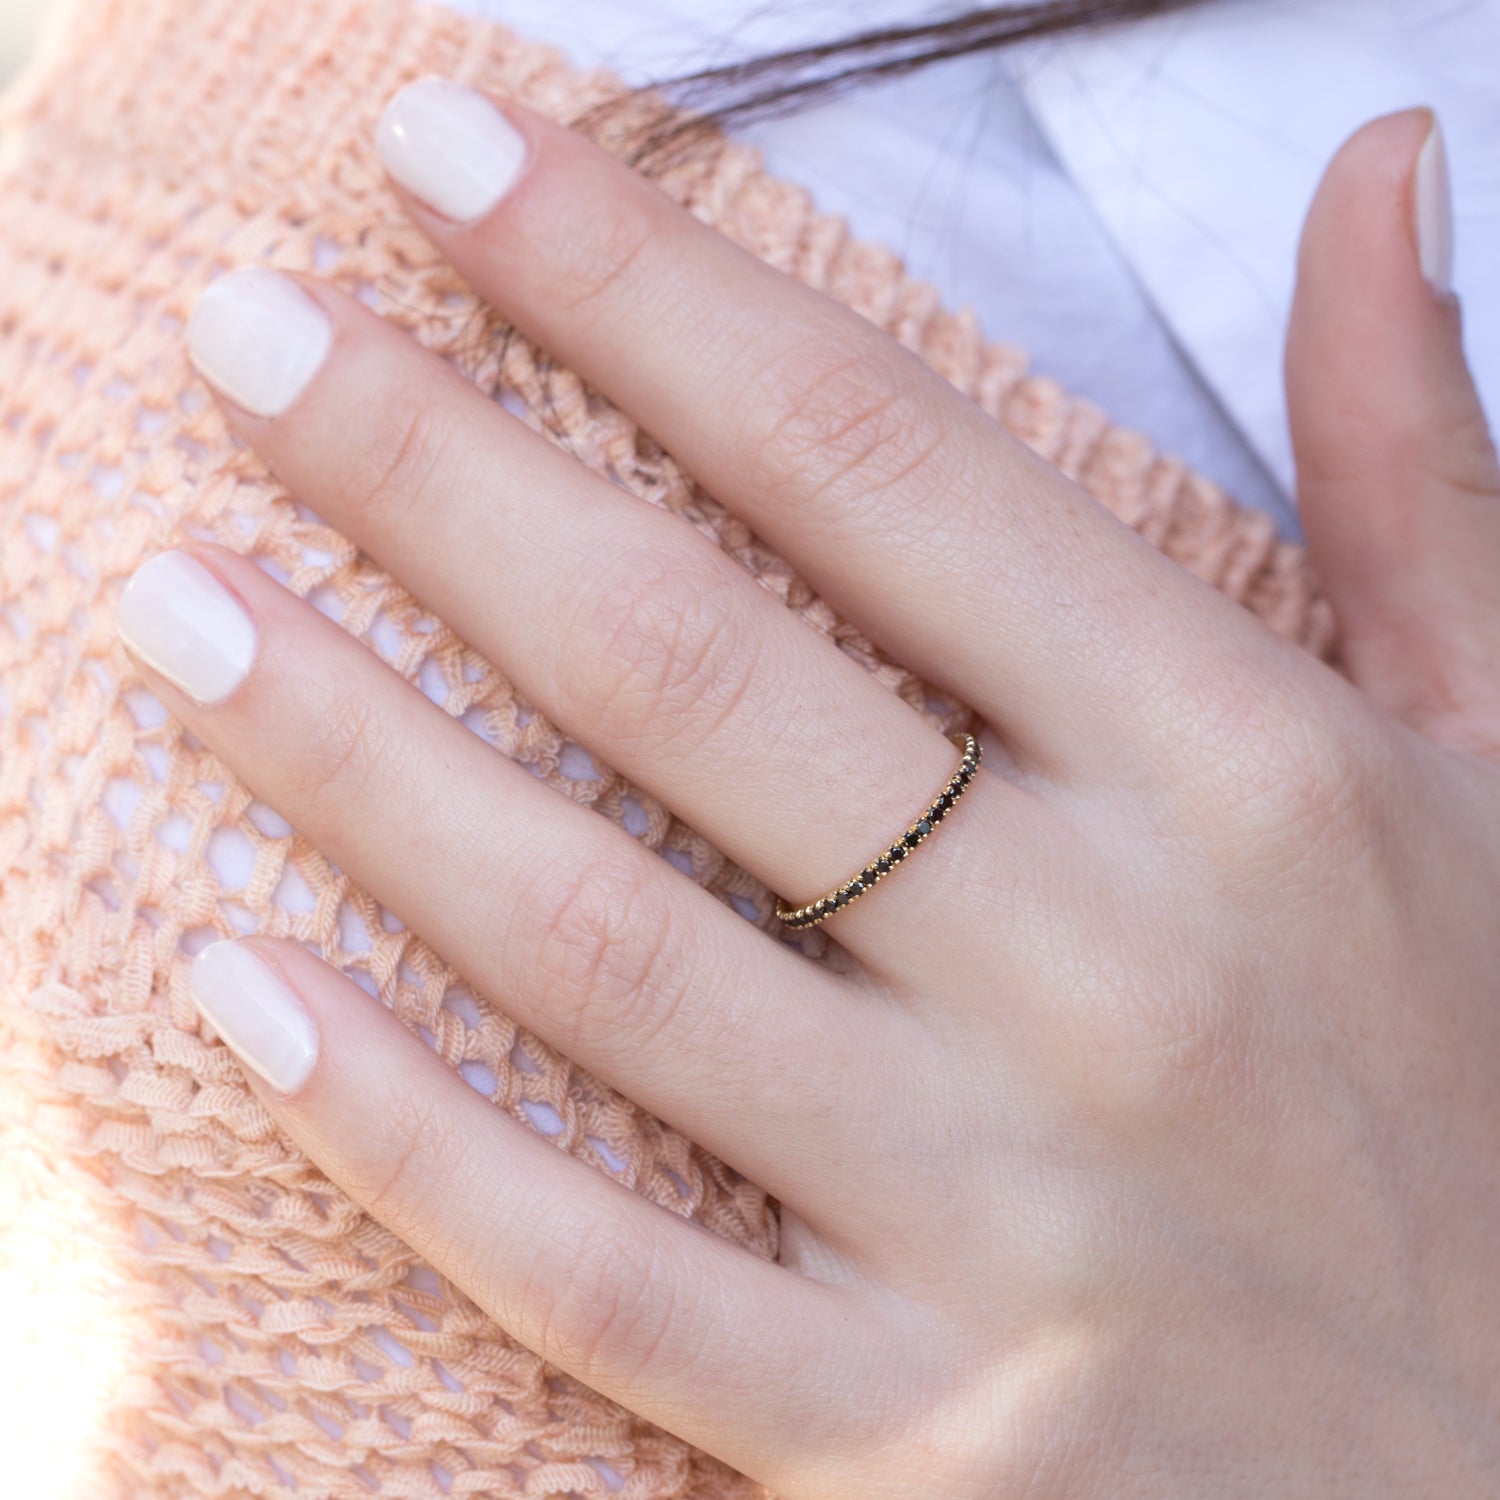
x: 887, y: 860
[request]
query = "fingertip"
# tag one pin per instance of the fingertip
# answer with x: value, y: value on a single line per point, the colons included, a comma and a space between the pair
x: 1397, y: 474
x: 258, y: 338
x: 1367, y: 203
x: 257, y: 1011
x: 177, y: 614
x: 451, y: 147
x: 1374, y: 345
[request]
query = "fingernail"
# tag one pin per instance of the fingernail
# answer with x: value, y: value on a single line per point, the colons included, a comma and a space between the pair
x: 450, y: 147
x: 258, y: 337
x: 258, y: 1015
x: 1433, y: 199
x: 186, y: 624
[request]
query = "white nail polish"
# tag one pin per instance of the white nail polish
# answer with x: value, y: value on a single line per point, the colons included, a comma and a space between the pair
x: 187, y: 625
x: 258, y: 337
x: 258, y: 1015
x: 450, y: 147
x: 1433, y: 200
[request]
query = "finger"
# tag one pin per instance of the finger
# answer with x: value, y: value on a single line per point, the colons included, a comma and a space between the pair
x: 629, y: 629
x: 646, y: 1307
x: 572, y: 928
x: 971, y: 559
x: 1399, y: 487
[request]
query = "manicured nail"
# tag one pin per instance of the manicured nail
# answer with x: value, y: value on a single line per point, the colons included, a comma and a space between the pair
x: 450, y: 147
x: 256, y: 1012
x: 258, y: 337
x: 186, y: 624
x: 1433, y: 198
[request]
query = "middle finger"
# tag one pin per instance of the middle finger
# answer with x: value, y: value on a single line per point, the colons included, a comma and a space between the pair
x: 631, y: 630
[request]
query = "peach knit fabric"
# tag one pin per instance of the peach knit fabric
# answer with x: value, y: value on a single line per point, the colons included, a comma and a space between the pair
x: 201, y: 1313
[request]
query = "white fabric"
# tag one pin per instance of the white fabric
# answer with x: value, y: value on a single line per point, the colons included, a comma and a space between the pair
x: 1125, y: 205
x: 1200, y: 137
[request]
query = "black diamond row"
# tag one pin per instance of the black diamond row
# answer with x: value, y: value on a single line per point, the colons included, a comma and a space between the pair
x: 898, y: 851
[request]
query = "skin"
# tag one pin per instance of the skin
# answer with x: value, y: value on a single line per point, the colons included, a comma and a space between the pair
x: 1152, y: 1145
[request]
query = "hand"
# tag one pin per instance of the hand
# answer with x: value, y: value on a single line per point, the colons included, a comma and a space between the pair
x: 1151, y: 1145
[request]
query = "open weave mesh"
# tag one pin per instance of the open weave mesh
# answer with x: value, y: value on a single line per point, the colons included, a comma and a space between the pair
x: 213, y: 1316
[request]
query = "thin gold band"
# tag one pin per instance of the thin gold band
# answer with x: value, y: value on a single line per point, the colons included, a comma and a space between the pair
x: 887, y: 860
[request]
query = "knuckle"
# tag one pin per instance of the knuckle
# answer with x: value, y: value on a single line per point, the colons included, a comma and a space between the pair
x: 1324, y: 793
x: 603, y: 953
x: 667, y: 649
x: 830, y: 416
x: 1179, y: 1049
x: 1450, y: 442
x: 1319, y: 782
x: 1153, y: 1037
x: 395, y: 474
x: 1296, y: 782
x: 596, y: 268
x: 339, y: 759
x: 394, y: 1177
x: 603, y: 1309
x: 1464, y: 457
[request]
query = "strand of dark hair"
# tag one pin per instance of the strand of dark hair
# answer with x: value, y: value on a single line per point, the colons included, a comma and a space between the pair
x: 680, y: 117
x: 694, y: 105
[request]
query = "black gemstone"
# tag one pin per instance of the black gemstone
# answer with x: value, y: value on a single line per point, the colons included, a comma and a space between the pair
x: 869, y: 875
x: 938, y: 809
x: 883, y: 863
x: 945, y: 801
x: 925, y: 826
x: 911, y: 840
x: 855, y: 887
x: 898, y: 852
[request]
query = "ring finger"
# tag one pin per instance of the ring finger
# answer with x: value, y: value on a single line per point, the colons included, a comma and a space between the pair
x: 597, y: 945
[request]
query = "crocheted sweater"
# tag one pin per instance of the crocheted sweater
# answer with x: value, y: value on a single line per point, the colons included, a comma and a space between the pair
x: 198, y: 1311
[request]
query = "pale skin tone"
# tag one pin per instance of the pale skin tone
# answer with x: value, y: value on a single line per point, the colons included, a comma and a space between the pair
x: 1152, y: 1145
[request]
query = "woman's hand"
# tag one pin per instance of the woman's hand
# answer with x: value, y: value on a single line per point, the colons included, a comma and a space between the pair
x: 1153, y: 1145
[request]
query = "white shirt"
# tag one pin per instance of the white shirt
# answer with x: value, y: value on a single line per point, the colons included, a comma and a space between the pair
x: 1126, y: 203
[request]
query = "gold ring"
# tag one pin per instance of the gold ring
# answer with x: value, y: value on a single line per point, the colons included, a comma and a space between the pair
x: 887, y: 860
